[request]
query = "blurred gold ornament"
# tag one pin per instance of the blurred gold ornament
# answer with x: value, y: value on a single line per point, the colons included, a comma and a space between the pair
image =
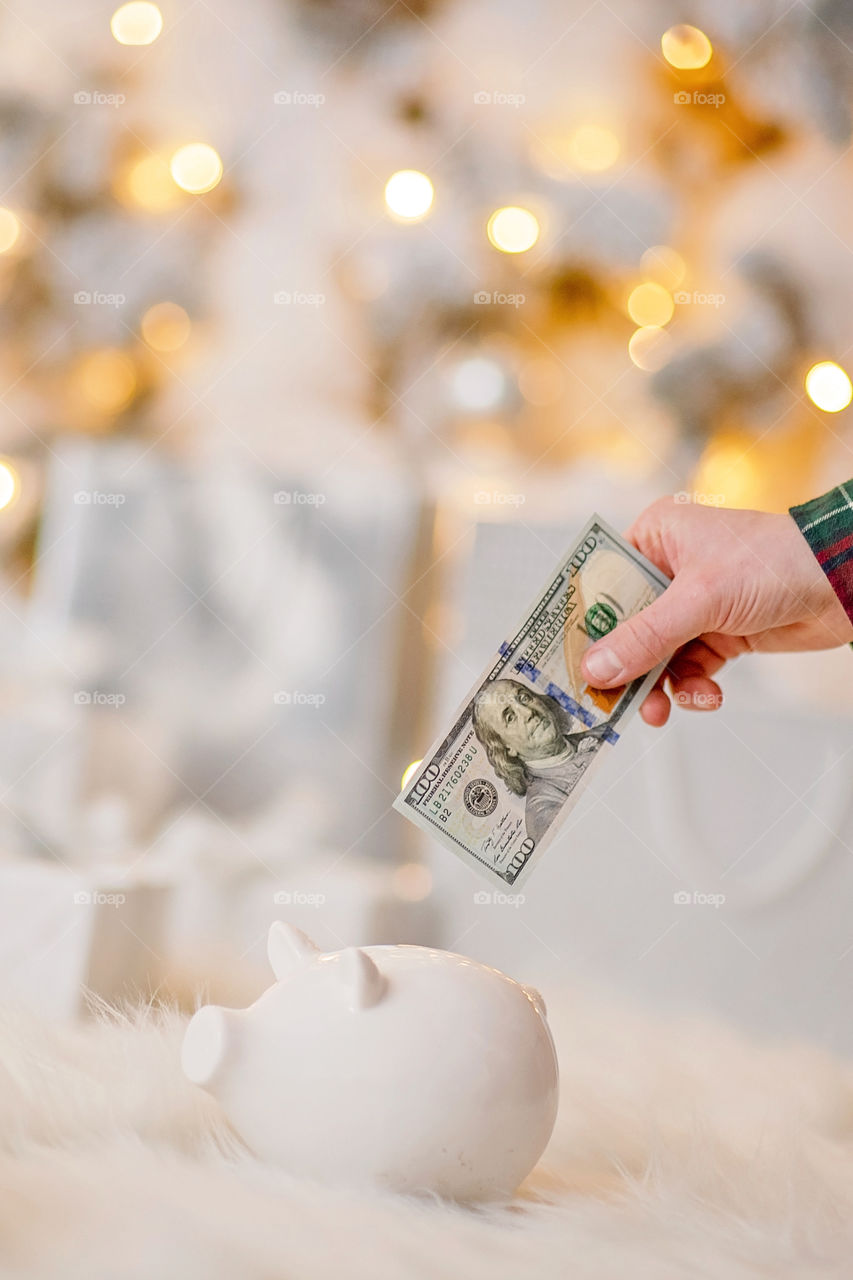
x: 593, y: 148
x: 828, y: 386
x: 8, y: 484
x: 541, y: 381
x: 410, y: 772
x: 165, y: 326
x: 649, y: 347
x: 105, y: 379
x: 147, y: 184
x: 686, y: 48
x: 196, y: 167
x: 650, y: 304
x: 512, y: 229
x: 10, y: 230
x: 137, y: 23
x: 664, y: 266
x: 409, y: 194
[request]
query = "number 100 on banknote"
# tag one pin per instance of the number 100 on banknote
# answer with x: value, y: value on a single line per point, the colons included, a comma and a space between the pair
x: 496, y: 787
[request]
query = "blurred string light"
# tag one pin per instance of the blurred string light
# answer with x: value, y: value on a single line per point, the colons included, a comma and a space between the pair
x: 686, y: 48
x: 828, y: 386
x: 664, y: 266
x: 196, y: 168
x: 165, y: 326
x: 105, y: 379
x: 409, y: 773
x: 409, y: 194
x: 146, y: 183
x: 650, y: 304
x: 137, y: 23
x: 478, y: 384
x: 512, y: 229
x: 8, y: 483
x: 10, y: 230
x: 593, y: 148
x: 649, y: 347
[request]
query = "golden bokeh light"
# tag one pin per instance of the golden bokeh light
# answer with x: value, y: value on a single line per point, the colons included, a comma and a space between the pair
x: 10, y: 230
x: 137, y: 23
x: 686, y: 48
x: 196, y: 167
x: 409, y: 194
x: 105, y: 379
x: 650, y: 304
x: 412, y: 882
x: 649, y: 348
x: 593, y: 148
x: 828, y: 386
x: 409, y: 773
x: 8, y: 483
x: 663, y: 265
x: 728, y: 474
x: 512, y: 229
x: 541, y: 381
x: 146, y: 183
x: 165, y: 326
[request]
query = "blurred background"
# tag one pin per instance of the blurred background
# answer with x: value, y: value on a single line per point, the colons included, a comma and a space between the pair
x: 325, y: 326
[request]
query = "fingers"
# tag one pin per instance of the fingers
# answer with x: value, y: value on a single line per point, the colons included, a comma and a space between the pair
x: 690, y: 674
x: 637, y: 645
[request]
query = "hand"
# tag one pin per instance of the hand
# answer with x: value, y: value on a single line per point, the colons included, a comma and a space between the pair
x: 742, y: 581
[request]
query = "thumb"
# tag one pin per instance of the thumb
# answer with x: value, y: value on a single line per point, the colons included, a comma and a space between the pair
x: 650, y: 637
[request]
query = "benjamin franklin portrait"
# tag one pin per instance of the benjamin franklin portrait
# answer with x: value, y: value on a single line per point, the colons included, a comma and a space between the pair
x: 530, y: 744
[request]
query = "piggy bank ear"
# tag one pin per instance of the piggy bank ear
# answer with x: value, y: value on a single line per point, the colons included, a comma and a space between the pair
x: 288, y: 949
x: 363, y: 983
x: 206, y: 1041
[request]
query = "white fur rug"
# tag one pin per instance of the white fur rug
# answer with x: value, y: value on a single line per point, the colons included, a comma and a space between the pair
x: 680, y: 1151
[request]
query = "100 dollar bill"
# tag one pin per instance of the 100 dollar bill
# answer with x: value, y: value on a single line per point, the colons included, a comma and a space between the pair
x: 497, y: 786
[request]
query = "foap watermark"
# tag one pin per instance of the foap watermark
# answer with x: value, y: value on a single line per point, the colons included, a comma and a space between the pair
x: 97, y: 498
x: 295, y: 298
x: 97, y: 98
x: 496, y: 898
x: 698, y: 701
x: 494, y: 298
x: 695, y: 898
x: 683, y: 298
x: 298, y: 98
x: 499, y: 98
x: 494, y: 498
x: 298, y: 898
x: 698, y: 98
x: 97, y: 898
x: 298, y: 498
x: 701, y: 499
x: 98, y: 698
x: 293, y: 698
x: 94, y: 298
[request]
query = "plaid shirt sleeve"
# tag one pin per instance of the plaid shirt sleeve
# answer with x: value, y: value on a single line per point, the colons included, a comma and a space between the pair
x: 827, y: 525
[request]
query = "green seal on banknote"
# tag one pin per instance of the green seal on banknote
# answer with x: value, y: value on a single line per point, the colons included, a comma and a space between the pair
x: 600, y: 618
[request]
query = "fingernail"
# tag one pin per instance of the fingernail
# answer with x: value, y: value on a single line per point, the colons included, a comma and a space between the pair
x: 602, y: 664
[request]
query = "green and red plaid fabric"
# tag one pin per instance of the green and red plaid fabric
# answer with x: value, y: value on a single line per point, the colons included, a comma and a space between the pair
x: 827, y: 525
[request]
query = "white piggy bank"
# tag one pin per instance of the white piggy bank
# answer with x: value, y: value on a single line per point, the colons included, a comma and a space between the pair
x: 400, y: 1066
